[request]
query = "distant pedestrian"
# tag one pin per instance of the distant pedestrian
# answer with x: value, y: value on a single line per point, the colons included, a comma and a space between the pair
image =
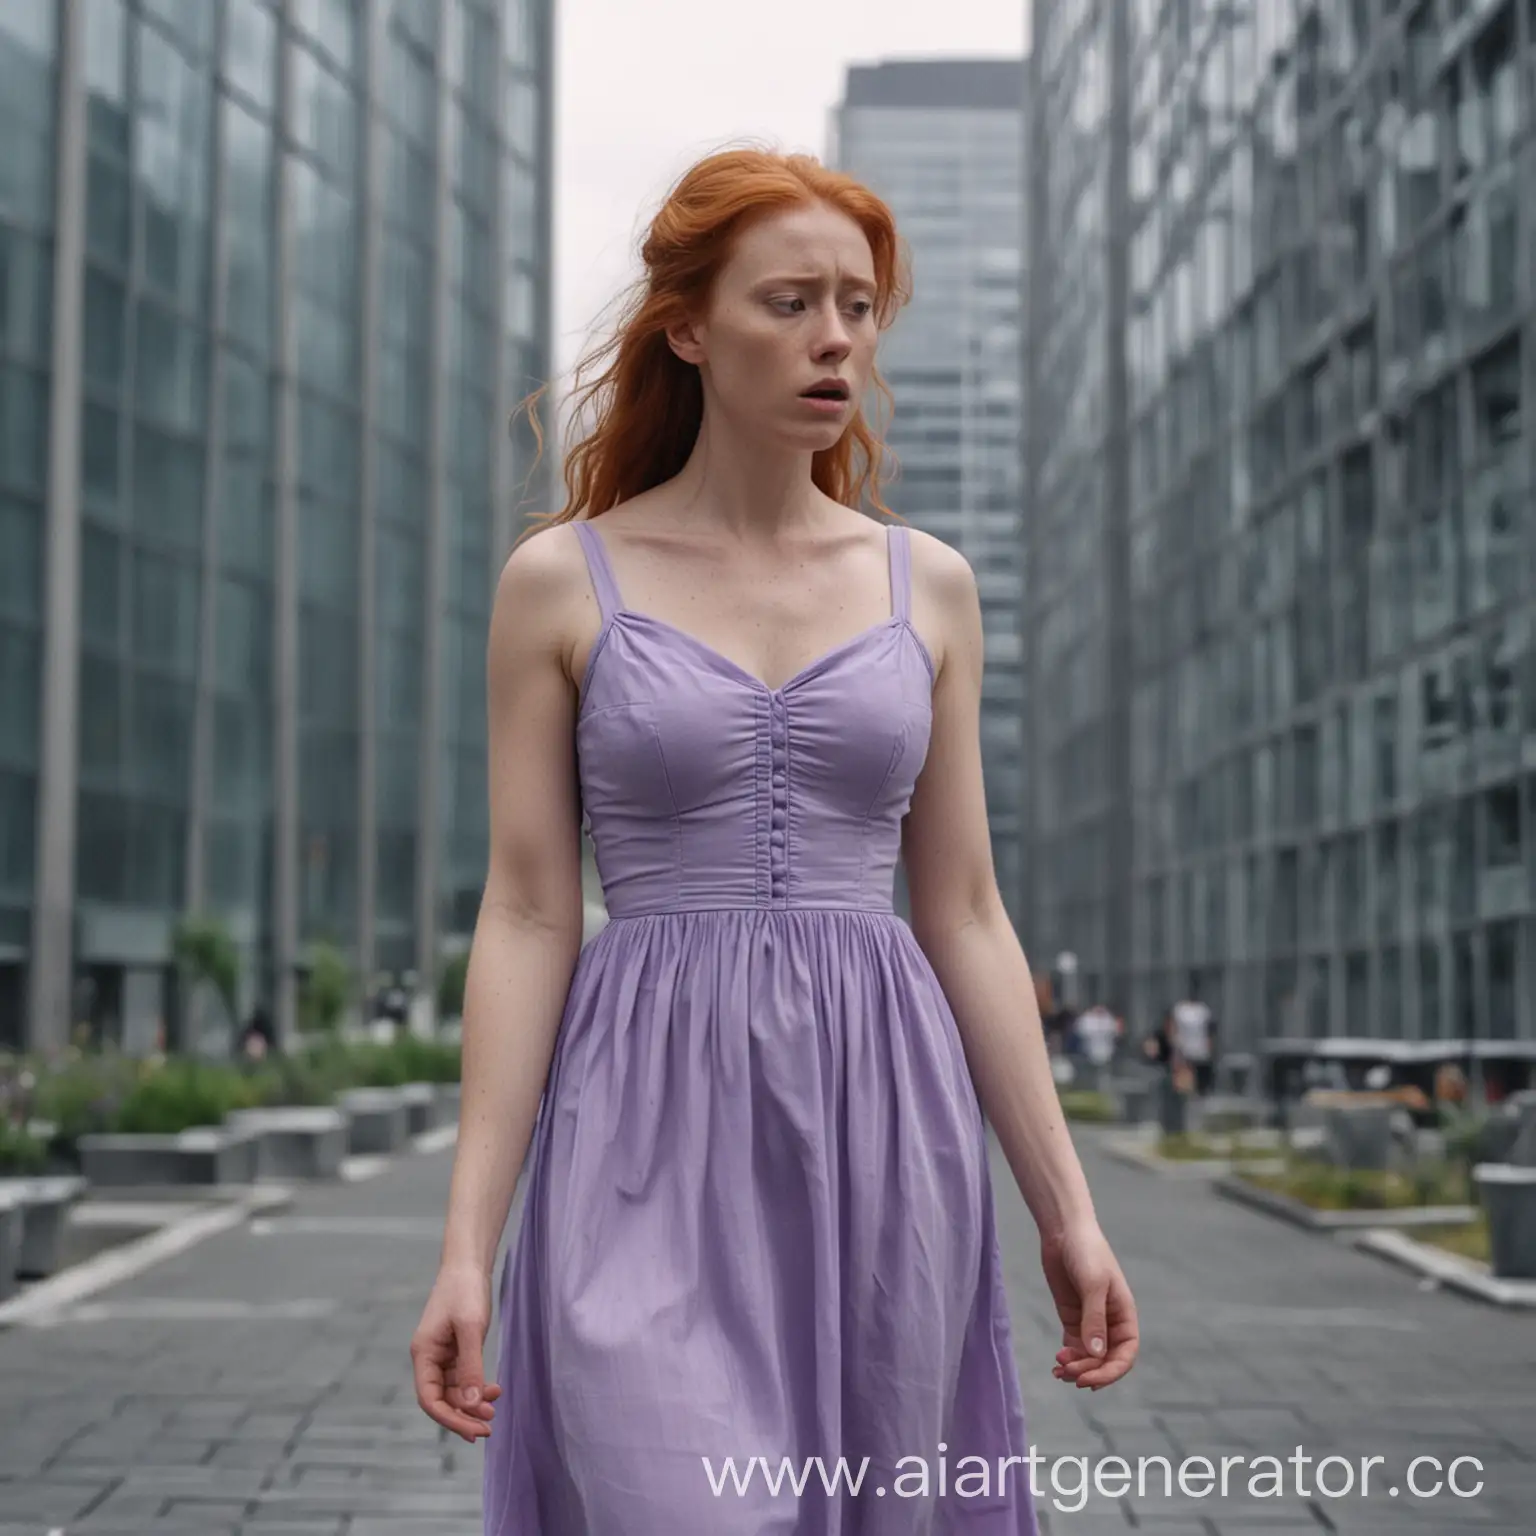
x: 258, y: 1037
x: 1098, y: 1033
x: 1194, y: 1042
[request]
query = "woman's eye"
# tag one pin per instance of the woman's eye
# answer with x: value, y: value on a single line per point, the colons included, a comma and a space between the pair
x: 785, y: 304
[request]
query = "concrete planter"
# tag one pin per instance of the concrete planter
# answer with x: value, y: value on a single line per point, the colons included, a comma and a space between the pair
x: 10, y: 1241
x: 1275, y: 1203
x: 1508, y: 1195
x: 447, y: 1102
x: 1221, y: 1113
x: 420, y: 1107
x: 1135, y: 1094
x: 297, y: 1142
x: 379, y: 1120
x: 203, y: 1155
x: 1358, y: 1136
x: 44, y: 1204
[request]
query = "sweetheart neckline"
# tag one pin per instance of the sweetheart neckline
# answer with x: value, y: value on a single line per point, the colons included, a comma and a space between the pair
x: 735, y: 668
x: 889, y: 622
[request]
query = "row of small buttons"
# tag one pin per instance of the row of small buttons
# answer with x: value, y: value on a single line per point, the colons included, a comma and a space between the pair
x: 778, y: 820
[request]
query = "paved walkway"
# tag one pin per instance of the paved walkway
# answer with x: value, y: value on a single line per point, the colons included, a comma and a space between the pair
x: 259, y: 1384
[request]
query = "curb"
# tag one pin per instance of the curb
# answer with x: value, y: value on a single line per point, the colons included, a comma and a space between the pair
x: 1191, y: 1169
x: 39, y: 1304
x: 1446, y: 1269
x: 1300, y: 1214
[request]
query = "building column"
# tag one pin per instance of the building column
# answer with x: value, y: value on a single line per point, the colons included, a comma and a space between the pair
x: 372, y: 19
x: 1116, y: 876
x: 548, y: 488
x: 503, y: 520
x: 50, y: 981
x: 206, y: 685
x: 285, y: 600
x: 1033, y: 311
x: 429, y: 828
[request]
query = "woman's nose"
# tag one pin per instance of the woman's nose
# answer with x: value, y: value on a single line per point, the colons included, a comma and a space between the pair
x: 834, y: 340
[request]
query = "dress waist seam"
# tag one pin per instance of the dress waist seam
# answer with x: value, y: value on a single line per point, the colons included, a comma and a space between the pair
x: 755, y: 907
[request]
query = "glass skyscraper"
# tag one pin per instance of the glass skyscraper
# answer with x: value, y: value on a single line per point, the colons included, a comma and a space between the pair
x: 942, y: 141
x: 273, y: 275
x: 1077, y: 801
x: 1329, y: 360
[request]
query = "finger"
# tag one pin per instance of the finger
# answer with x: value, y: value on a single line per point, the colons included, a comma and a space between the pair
x: 1105, y: 1374
x: 431, y: 1396
x: 1121, y: 1357
x: 469, y: 1367
x: 432, y: 1364
x: 1093, y: 1332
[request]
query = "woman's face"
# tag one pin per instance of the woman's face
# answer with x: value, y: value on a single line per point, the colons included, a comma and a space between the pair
x: 792, y: 311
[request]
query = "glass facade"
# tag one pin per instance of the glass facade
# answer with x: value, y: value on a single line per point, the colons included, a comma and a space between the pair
x: 28, y: 70
x: 942, y: 141
x: 312, y: 278
x: 1329, y: 366
x: 1076, y: 780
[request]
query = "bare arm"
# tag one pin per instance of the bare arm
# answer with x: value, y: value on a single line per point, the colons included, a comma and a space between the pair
x: 528, y: 934
x: 961, y: 923
x: 959, y: 920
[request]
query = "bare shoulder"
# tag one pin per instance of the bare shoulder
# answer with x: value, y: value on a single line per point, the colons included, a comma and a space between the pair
x: 543, y: 593
x: 946, y: 606
x: 943, y: 570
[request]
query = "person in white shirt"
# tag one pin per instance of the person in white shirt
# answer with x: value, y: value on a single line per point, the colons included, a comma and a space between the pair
x: 1194, y: 1039
x: 1098, y: 1034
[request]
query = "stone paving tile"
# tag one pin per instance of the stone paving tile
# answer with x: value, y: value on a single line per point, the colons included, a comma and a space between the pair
x: 300, y: 1421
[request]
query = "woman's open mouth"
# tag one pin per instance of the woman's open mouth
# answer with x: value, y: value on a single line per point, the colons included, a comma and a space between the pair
x: 829, y: 398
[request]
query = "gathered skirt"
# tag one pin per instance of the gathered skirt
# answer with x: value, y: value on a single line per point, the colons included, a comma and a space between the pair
x: 756, y: 1257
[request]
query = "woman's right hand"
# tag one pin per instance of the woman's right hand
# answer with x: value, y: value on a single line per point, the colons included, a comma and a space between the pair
x: 448, y: 1354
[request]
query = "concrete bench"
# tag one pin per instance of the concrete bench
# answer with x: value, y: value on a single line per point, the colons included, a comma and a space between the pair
x: 11, y: 1218
x: 1226, y: 1112
x: 44, y: 1204
x: 204, y: 1155
x: 420, y: 1107
x: 1508, y: 1195
x: 297, y: 1141
x: 379, y: 1120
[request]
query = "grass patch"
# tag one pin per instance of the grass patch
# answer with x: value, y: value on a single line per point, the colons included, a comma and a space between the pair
x: 1198, y: 1147
x: 1326, y: 1188
x: 1086, y: 1104
x: 1467, y: 1241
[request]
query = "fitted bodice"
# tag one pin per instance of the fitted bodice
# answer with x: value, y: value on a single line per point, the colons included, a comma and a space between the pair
x: 704, y: 788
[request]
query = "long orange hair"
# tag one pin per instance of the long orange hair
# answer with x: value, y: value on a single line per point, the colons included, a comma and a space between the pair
x: 646, y: 403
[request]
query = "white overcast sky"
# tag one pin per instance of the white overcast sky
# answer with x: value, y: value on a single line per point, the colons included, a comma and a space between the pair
x: 644, y: 87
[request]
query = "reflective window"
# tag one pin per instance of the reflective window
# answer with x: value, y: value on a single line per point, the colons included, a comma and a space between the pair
x: 250, y: 49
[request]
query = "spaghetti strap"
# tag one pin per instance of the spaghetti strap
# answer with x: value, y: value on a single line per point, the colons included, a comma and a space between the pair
x: 896, y: 535
x: 608, y: 600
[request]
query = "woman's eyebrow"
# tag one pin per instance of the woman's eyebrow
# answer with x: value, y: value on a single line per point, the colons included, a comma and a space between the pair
x: 806, y: 279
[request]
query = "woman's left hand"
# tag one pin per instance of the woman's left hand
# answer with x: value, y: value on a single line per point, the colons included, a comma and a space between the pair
x: 1099, y: 1332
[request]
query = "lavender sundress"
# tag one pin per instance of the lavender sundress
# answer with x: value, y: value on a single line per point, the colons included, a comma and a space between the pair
x: 758, y: 1219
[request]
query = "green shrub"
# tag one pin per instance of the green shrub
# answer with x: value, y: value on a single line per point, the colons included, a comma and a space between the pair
x: 302, y: 1078
x: 450, y: 985
x: 325, y: 990
x: 181, y: 1093
x: 204, y: 951
x: 82, y: 1094
x: 317, y: 1074
x: 427, y: 1061
x: 21, y: 1153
